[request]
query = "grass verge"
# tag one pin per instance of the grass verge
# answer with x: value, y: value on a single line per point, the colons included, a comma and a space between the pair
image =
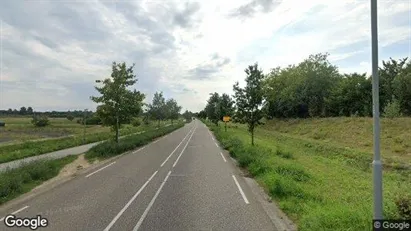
x: 20, y: 180
x: 319, y: 187
x: 110, y: 148
x: 20, y: 151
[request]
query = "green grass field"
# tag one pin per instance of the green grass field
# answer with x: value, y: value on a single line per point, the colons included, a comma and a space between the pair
x: 27, y: 139
x: 20, y: 129
x: 319, y: 170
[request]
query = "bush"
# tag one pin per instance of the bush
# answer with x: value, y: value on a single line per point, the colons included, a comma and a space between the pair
x: 111, y: 148
x: 393, y: 109
x: 40, y: 121
x: 70, y: 117
x: 94, y: 120
x: 136, y: 122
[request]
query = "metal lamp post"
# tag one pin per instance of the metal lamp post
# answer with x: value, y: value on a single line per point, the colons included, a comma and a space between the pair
x: 377, y: 165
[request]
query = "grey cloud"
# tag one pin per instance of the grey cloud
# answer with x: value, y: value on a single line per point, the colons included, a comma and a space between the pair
x: 207, y: 71
x: 62, y: 26
x: 185, y: 18
x: 250, y: 9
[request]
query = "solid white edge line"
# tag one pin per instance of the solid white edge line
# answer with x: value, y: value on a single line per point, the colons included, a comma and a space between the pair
x: 150, y: 204
x: 15, y: 212
x: 129, y: 203
x: 212, y: 138
x: 181, y: 153
x: 241, y: 190
x: 100, y: 169
x: 223, y: 157
x: 175, y: 149
x: 216, y: 144
x: 139, y: 149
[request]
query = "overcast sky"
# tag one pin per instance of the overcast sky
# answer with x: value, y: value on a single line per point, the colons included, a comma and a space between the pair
x: 53, y: 51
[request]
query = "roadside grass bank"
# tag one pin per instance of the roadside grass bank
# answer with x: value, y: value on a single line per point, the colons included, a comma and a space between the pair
x: 33, y: 148
x: 319, y: 187
x: 20, y: 180
x: 110, y: 148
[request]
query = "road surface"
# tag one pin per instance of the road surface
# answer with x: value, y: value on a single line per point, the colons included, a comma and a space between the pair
x: 182, y: 181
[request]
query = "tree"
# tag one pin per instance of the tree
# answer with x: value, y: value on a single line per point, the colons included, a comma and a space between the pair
x: 172, y: 110
x: 226, y: 105
x: 23, y: 111
x: 30, y: 111
x: 118, y: 104
x: 250, y: 99
x: 157, y: 109
x: 213, y: 108
x: 202, y: 114
x: 187, y: 115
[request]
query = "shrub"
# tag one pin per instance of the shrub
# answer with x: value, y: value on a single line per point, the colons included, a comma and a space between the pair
x: 70, y: 117
x: 111, y: 148
x: 136, y: 122
x: 392, y: 109
x: 40, y: 121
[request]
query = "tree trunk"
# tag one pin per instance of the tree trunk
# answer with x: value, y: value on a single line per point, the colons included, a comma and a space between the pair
x: 117, y: 128
x: 252, y: 136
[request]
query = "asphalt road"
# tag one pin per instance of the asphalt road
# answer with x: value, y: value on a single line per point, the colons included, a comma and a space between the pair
x: 180, y: 182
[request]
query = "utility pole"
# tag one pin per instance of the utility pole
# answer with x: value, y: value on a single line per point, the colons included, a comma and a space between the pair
x: 377, y: 165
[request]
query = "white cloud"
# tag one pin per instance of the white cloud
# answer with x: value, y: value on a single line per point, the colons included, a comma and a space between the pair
x: 173, y: 44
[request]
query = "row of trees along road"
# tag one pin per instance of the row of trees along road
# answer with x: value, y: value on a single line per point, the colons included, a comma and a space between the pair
x: 162, y: 109
x: 118, y: 105
x: 313, y: 88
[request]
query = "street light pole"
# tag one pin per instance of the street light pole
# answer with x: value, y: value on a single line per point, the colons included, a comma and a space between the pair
x: 377, y: 165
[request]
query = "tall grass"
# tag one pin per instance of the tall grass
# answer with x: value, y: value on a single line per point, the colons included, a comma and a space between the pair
x: 21, y: 180
x: 319, y: 186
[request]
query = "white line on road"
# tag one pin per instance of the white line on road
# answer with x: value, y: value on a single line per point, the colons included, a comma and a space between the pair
x: 129, y: 203
x: 241, y: 190
x: 216, y: 144
x: 139, y: 149
x: 155, y: 141
x: 175, y: 149
x: 100, y: 169
x: 212, y: 138
x: 151, y: 204
x: 15, y: 212
x: 223, y: 157
x: 181, y: 153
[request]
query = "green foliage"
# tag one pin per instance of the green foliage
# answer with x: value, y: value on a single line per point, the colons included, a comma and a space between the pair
x: 117, y: 103
x: 404, y: 206
x: 393, y: 109
x: 21, y: 180
x: 314, y: 88
x: 250, y: 99
x: 157, y: 108
x: 213, y: 109
x: 40, y: 121
x: 312, y: 182
x: 136, y: 122
x: 70, y: 117
x: 110, y: 148
x: 172, y: 110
